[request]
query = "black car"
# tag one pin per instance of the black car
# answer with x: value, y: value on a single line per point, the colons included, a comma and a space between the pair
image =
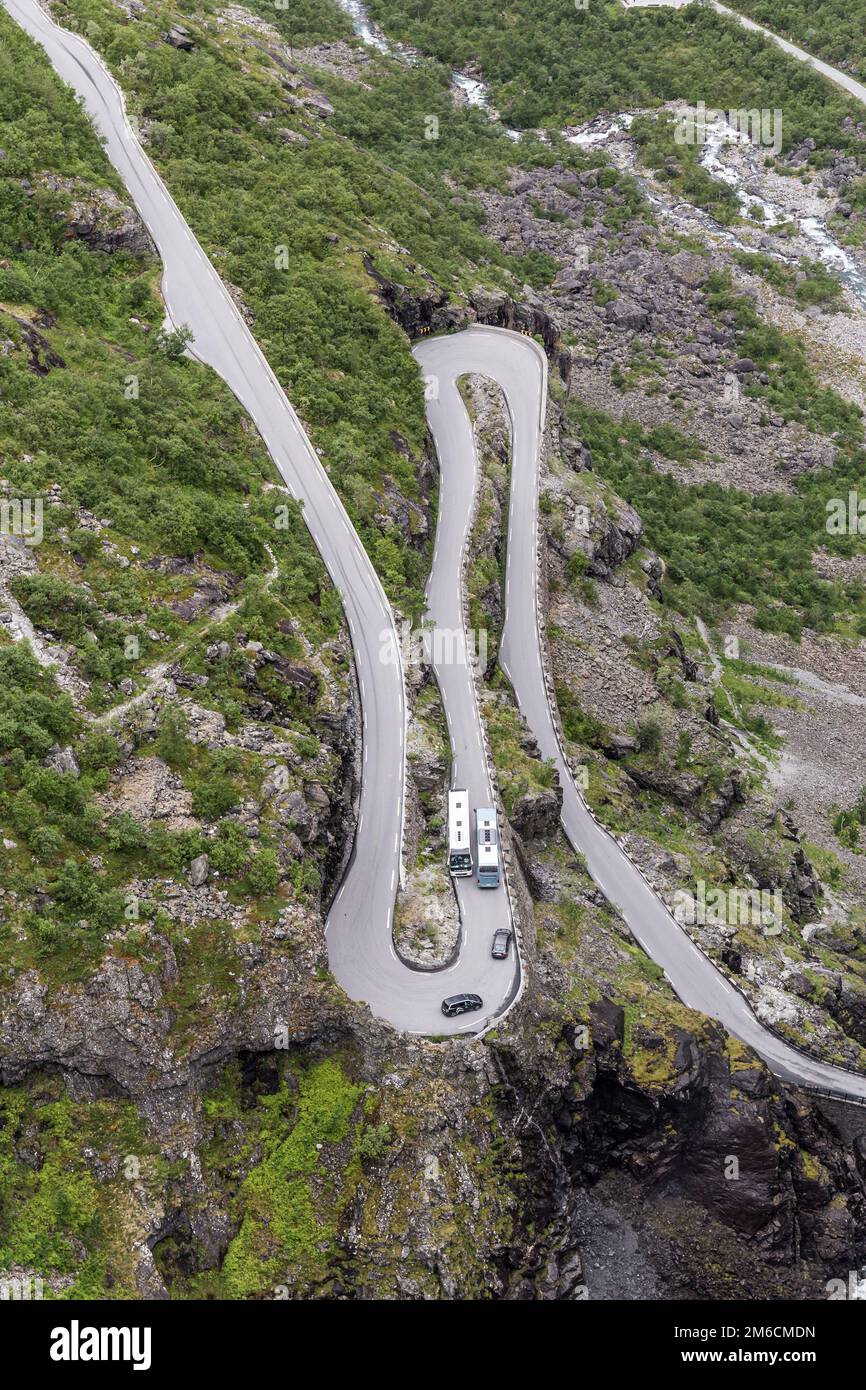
x: 461, y: 1004
x: 501, y: 943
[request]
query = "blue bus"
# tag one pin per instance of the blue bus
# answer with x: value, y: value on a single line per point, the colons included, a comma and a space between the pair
x: 487, y: 844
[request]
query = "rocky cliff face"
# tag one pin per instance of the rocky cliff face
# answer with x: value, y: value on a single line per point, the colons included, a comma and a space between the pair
x: 724, y: 1180
x: 434, y: 311
x: 96, y: 216
x: 785, y: 1212
x: 731, y: 1186
x: 134, y: 1030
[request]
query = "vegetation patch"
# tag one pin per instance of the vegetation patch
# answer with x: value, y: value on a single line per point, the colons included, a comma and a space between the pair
x: 724, y: 547
x: 59, y: 1220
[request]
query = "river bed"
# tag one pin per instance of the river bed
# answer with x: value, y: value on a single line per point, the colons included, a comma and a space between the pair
x: 721, y: 137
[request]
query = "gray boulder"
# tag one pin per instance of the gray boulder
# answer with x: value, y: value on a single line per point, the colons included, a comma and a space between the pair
x: 625, y: 313
x: 199, y: 870
x: 180, y: 38
x: 536, y: 813
x: 689, y: 269
x: 98, y: 217
x: 62, y: 760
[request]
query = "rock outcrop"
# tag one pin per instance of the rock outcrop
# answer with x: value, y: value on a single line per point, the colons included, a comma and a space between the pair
x: 98, y: 217
x: 535, y: 814
x: 432, y: 311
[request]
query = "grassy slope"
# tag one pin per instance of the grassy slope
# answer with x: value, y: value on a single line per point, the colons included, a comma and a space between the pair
x: 175, y: 471
x: 724, y: 547
x: 366, y: 182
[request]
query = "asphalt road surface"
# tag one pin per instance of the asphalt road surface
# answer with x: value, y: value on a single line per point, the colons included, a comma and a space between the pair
x: 360, y: 946
x: 519, y: 366
x: 359, y: 935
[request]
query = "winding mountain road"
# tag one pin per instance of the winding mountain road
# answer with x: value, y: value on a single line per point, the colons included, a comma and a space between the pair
x: 519, y: 366
x: 359, y: 935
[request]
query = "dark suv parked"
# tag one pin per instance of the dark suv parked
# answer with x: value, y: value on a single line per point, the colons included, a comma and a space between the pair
x: 461, y: 1004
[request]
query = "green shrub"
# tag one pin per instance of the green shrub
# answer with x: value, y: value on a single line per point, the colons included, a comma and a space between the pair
x: 650, y: 736
x: 230, y: 848
x: 172, y: 743
x: 98, y: 749
x: 214, y: 797
x: 46, y: 842
x: 264, y: 872
x: 375, y: 1141
x: 125, y: 834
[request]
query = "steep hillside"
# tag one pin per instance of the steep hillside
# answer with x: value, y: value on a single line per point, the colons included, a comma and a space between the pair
x: 705, y: 618
x: 191, y: 1106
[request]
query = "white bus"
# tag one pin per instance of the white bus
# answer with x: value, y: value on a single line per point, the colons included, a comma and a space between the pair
x: 487, y: 841
x: 459, y: 843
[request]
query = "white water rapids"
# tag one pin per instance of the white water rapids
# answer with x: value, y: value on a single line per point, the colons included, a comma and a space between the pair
x: 719, y: 134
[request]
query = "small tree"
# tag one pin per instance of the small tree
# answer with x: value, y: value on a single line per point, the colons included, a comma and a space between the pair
x: 174, y: 342
x: 650, y: 737
x: 172, y: 743
x: 99, y: 749
x: 215, y: 798
x: 230, y: 848
x: 374, y: 1141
